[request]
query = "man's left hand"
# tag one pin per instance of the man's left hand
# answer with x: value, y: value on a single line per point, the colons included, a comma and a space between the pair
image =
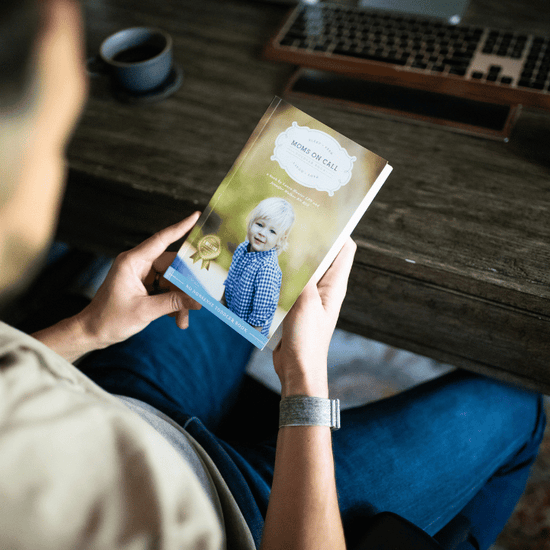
x: 125, y: 304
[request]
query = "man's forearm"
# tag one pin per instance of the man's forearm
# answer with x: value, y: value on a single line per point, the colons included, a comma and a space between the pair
x: 303, y: 511
x: 68, y: 338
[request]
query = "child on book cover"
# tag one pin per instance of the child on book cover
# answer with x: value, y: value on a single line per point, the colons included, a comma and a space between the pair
x: 254, y: 279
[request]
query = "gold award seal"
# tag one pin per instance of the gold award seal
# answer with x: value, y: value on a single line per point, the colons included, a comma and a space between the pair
x: 208, y: 249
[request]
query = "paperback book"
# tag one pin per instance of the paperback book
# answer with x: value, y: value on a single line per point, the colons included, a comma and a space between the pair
x: 279, y: 217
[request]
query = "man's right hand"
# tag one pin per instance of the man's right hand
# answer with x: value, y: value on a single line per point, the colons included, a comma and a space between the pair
x: 300, y: 359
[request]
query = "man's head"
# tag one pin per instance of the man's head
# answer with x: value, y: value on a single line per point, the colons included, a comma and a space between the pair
x: 269, y: 225
x: 42, y: 91
x: 20, y: 23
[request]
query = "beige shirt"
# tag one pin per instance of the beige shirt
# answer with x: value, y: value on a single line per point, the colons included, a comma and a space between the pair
x: 80, y: 470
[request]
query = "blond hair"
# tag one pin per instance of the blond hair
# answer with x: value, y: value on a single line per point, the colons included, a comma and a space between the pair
x: 280, y: 213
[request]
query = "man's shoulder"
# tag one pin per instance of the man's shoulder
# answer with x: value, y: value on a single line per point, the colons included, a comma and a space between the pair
x: 49, y: 411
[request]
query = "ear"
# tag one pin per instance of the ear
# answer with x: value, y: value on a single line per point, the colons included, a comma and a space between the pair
x: 282, y: 243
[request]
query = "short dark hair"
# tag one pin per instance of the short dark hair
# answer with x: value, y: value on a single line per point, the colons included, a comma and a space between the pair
x: 20, y: 24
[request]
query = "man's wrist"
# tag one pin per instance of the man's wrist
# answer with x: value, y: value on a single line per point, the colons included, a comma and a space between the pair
x: 91, y: 337
x: 303, y: 384
x: 69, y: 338
x: 307, y: 391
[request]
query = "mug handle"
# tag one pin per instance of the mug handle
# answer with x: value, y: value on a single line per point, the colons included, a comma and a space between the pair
x: 96, y: 66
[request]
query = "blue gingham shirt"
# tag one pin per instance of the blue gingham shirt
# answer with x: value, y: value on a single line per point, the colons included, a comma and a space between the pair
x: 252, y: 286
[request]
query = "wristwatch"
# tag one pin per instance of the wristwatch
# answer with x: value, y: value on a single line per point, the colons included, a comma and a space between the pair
x: 301, y: 410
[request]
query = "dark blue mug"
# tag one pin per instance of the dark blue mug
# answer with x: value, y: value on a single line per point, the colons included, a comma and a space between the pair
x: 138, y: 59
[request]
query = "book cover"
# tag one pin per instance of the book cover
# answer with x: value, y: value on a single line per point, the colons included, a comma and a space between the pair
x: 279, y: 217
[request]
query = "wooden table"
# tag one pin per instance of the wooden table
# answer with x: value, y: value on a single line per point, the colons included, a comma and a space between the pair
x: 454, y: 254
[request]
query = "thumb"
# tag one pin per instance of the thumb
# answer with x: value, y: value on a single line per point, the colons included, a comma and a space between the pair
x: 165, y: 304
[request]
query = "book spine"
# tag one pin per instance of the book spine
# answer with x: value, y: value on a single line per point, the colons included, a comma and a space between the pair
x: 352, y: 223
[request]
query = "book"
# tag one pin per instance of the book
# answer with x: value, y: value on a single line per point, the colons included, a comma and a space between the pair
x: 279, y: 217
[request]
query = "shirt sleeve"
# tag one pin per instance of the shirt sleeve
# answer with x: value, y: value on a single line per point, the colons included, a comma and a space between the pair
x: 266, y: 295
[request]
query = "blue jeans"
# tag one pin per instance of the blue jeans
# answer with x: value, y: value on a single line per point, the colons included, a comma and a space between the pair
x: 461, y: 443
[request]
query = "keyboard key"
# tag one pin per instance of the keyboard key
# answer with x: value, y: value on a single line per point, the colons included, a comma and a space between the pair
x: 456, y: 61
x: 460, y: 71
x: 506, y: 80
x: 367, y: 55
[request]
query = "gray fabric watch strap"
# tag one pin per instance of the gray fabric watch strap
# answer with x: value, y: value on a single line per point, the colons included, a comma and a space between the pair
x: 309, y: 411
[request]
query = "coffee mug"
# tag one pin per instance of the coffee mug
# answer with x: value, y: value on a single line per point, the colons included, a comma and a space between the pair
x: 139, y: 59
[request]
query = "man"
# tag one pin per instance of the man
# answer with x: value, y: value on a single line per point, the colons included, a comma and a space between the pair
x: 37, y: 120
x: 82, y: 468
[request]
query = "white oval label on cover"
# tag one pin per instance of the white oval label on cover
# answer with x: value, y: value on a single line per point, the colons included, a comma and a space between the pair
x: 313, y: 159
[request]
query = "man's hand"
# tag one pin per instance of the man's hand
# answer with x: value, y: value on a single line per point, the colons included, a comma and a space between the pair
x: 300, y: 359
x: 123, y: 305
